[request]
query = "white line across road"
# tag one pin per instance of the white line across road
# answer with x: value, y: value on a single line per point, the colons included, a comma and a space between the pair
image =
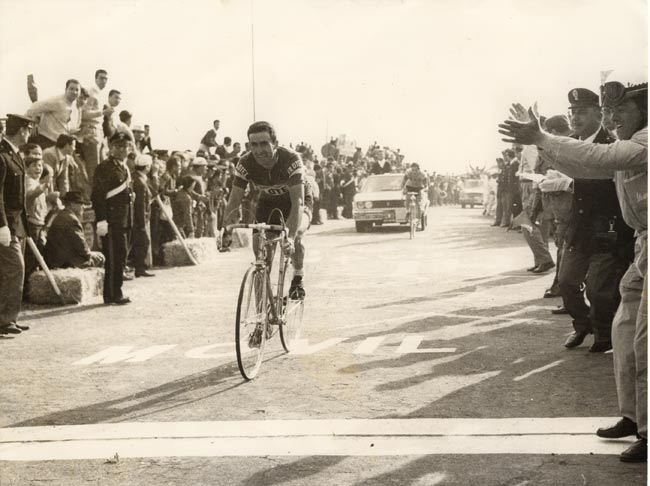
x: 358, y: 437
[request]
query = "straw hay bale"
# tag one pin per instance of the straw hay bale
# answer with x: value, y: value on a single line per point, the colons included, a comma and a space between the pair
x: 201, y: 248
x: 77, y: 285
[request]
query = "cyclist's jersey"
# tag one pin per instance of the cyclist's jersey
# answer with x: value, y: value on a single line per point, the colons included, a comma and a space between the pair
x: 273, y: 183
x: 415, y: 180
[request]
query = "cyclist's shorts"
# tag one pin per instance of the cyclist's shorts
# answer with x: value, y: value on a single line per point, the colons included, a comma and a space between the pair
x: 272, y: 210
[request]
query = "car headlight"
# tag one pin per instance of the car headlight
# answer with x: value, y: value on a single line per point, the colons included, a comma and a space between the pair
x: 359, y: 205
x: 368, y: 204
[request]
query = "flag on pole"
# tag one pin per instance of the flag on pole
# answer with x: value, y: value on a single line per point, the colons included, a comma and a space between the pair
x: 604, y: 75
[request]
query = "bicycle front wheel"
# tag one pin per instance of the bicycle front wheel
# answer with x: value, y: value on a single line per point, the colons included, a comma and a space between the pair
x: 291, y: 315
x: 412, y: 222
x: 250, y: 335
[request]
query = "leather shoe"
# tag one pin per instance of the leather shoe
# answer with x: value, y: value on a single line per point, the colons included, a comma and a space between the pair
x: 600, y: 347
x: 495, y: 224
x: 622, y: 428
x: 550, y: 293
x: 122, y: 301
x: 544, y: 267
x: 637, y: 452
x: 575, y: 339
x: 10, y: 328
x: 22, y: 327
x: 531, y: 268
x: 144, y: 273
x: 560, y: 310
x: 127, y: 276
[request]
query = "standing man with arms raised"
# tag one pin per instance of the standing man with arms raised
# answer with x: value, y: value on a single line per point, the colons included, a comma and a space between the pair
x: 626, y: 161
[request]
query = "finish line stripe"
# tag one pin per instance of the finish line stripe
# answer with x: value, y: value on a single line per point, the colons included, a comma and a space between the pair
x: 566, y: 435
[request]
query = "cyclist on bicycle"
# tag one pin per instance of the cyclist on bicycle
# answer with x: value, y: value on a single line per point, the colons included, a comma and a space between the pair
x: 414, y: 181
x: 285, y: 194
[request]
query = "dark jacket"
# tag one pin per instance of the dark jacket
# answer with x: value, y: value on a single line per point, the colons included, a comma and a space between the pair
x: 142, y: 203
x: 118, y: 209
x: 595, y: 205
x: 12, y: 188
x: 66, y: 244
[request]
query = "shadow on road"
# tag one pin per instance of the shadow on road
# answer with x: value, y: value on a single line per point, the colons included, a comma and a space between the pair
x: 178, y: 393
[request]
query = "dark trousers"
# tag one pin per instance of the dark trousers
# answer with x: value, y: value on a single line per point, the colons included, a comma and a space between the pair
x: 12, y: 274
x: 505, y: 197
x: 499, y: 210
x: 140, y: 249
x: 114, y: 248
x: 601, y: 273
x: 315, y: 219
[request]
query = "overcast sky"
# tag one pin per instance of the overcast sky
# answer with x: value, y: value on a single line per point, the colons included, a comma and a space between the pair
x: 432, y: 77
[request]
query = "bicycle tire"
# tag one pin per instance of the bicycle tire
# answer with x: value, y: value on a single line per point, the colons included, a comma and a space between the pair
x: 251, y: 316
x: 291, y: 315
x: 412, y: 222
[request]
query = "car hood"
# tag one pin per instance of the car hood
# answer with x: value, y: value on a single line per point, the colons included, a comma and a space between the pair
x: 379, y: 196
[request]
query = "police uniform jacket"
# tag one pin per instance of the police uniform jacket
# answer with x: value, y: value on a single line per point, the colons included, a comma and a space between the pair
x: 12, y: 190
x: 596, y: 207
x: 66, y: 245
x: 109, y: 202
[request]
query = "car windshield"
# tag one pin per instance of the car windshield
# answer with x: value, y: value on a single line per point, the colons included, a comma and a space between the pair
x: 383, y: 183
x: 473, y: 183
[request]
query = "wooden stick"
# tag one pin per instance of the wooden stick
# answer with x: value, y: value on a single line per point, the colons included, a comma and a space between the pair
x: 46, y: 269
x: 170, y: 219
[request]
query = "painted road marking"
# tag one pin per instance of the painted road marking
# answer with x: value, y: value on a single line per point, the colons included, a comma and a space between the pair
x: 538, y: 370
x: 393, y: 437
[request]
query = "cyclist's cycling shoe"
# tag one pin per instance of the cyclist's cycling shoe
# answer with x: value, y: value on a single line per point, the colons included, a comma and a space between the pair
x: 296, y: 291
x: 255, y: 339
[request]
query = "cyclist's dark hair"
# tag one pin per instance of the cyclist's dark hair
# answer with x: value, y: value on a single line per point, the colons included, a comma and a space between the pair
x: 72, y: 81
x: 100, y: 71
x: 262, y: 126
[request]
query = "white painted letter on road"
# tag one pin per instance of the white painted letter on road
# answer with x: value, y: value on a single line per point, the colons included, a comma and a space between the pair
x: 115, y: 354
x: 411, y: 344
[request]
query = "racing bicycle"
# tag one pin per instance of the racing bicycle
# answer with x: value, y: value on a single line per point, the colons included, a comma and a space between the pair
x: 264, y: 307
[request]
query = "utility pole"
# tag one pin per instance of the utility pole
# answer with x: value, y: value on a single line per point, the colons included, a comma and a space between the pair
x: 253, y: 56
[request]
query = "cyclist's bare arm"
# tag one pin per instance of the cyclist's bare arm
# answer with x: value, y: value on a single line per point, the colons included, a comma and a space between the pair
x: 297, y: 195
x: 232, y: 208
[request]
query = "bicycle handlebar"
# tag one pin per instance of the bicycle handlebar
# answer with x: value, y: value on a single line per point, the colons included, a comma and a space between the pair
x: 257, y: 226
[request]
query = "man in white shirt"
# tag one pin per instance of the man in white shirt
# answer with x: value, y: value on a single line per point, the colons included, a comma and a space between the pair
x: 91, y: 134
x: 58, y: 115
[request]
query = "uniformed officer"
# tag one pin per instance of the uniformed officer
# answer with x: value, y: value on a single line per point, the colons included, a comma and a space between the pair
x: 626, y: 160
x: 13, y: 222
x: 112, y: 199
x: 598, y: 244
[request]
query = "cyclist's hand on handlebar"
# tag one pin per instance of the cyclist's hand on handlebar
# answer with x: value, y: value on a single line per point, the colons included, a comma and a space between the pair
x: 288, y: 246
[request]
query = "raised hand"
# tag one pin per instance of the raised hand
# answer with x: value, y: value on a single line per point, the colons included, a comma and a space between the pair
x: 528, y: 133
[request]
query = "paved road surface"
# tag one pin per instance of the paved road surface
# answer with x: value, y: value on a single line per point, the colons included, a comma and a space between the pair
x: 424, y: 362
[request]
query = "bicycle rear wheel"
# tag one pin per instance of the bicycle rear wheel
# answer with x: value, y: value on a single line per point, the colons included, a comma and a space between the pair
x: 250, y: 335
x: 291, y: 315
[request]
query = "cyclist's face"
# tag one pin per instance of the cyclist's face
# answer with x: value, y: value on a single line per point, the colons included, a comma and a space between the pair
x: 263, y: 148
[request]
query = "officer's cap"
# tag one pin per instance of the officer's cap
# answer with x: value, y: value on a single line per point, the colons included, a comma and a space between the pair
x: 580, y: 97
x: 22, y: 120
x: 120, y: 137
x: 72, y: 197
x: 614, y: 93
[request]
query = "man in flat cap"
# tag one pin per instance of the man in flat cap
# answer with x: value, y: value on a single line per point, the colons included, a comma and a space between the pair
x: 113, y: 204
x: 598, y: 244
x: 141, y: 215
x: 66, y: 243
x: 13, y: 222
x: 626, y: 161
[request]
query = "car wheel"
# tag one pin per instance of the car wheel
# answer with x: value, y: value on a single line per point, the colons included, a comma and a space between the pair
x: 462, y: 206
x: 471, y: 206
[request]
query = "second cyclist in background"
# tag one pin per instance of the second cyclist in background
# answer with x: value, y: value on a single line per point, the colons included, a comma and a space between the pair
x: 414, y: 181
x: 284, y: 194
